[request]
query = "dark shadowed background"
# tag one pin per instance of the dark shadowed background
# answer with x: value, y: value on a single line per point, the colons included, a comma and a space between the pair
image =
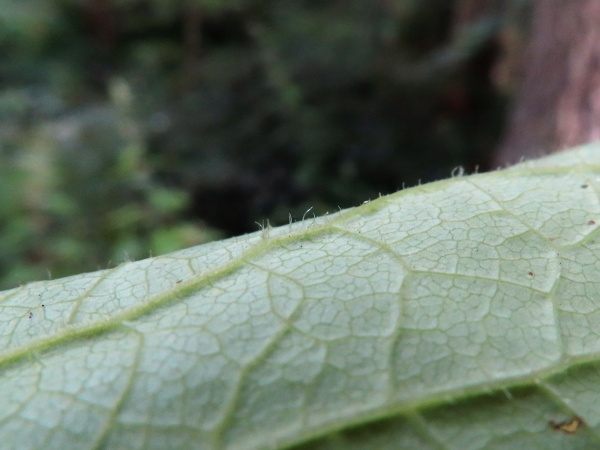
x: 131, y: 128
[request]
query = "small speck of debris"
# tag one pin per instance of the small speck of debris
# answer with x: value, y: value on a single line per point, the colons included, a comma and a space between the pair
x: 591, y: 222
x: 530, y: 274
x: 584, y: 186
x: 568, y: 426
x: 178, y: 281
x: 43, y: 305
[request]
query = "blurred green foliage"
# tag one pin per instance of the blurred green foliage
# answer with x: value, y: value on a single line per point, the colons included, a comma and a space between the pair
x: 136, y: 127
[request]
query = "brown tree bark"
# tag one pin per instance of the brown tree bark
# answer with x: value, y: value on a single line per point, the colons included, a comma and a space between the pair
x: 558, y: 103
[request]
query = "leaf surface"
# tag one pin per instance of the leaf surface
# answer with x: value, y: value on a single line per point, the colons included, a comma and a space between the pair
x: 462, y: 314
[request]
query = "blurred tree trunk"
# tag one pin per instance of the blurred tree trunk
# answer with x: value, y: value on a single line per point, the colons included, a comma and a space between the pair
x: 558, y: 103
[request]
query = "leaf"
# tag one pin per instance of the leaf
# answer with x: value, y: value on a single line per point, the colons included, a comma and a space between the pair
x: 462, y: 314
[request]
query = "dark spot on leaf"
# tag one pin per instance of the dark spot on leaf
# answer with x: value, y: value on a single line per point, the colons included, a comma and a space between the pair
x: 568, y: 426
x: 584, y: 186
x: 530, y: 274
x: 179, y: 281
x: 30, y: 315
x: 591, y: 222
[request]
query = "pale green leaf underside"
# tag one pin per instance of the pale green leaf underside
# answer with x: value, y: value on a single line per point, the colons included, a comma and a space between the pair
x: 462, y: 314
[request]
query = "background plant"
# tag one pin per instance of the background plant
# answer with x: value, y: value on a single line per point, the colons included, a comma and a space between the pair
x: 130, y: 127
